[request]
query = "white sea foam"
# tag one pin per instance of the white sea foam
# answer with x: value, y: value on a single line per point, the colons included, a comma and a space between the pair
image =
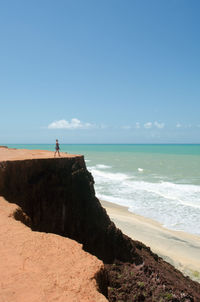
x: 176, y: 206
x: 140, y: 170
x: 101, y: 166
x: 105, y: 176
x: 180, y: 193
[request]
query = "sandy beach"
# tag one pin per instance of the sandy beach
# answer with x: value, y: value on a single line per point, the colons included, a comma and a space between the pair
x: 178, y: 248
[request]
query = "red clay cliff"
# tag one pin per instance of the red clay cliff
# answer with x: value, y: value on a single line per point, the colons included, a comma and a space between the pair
x: 57, y: 196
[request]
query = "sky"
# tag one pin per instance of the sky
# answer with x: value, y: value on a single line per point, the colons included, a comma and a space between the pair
x: 106, y: 71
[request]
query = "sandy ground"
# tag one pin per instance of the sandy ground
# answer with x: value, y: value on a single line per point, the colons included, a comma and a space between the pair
x: 41, y: 267
x: 179, y: 248
x: 20, y: 154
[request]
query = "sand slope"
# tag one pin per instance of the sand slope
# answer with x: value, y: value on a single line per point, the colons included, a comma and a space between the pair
x: 40, y: 267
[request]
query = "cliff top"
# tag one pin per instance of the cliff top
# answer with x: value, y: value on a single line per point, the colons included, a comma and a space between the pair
x: 22, y: 154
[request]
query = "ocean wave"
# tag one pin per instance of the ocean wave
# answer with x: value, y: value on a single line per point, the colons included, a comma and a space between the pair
x: 179, y: 193
x: 176, y: 206
x: 102, y: 176
x: 101, y: 166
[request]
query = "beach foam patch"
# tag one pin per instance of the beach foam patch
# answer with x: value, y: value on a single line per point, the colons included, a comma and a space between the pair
x: 177, y: 206
x: 101, y: 166
x: 103, y: 176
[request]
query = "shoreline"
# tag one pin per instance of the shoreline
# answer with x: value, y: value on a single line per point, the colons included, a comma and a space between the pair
x: 179, y: 248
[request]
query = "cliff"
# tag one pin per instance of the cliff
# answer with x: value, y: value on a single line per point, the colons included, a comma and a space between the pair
x: 57, y: 195
x: 34, y: 267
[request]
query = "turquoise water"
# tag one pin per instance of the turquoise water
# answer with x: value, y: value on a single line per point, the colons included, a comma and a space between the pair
x: 161, y: 182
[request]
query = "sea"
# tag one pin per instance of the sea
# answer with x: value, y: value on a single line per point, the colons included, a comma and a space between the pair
x: 161, y: 182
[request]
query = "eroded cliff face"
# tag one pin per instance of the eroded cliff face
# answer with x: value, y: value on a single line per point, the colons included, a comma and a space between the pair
x: 58, y: 196
x: 35, y: 266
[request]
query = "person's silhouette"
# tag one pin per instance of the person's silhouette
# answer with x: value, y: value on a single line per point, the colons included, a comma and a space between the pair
x: 57, y: 148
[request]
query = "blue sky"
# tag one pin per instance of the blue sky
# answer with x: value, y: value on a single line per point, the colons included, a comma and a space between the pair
x: 107, y: 71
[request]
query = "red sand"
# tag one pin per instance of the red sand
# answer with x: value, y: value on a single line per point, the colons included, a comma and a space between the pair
x: 20, y: 154
x: 40, y: 267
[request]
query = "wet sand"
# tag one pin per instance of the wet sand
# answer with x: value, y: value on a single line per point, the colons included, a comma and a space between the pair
x: 178, y: 248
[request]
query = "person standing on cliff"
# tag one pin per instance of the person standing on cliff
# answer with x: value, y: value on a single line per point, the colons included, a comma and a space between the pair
x: 57, y: 148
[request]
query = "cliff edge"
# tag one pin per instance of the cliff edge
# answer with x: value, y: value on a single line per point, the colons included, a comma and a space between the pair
x: 57, y: 194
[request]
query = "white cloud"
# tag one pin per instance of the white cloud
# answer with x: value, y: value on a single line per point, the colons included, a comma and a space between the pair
x: 159, y: 125
x: 73, y: 124
x: 137, y: 125
x: 148, y: 125
x: 178, y: 125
